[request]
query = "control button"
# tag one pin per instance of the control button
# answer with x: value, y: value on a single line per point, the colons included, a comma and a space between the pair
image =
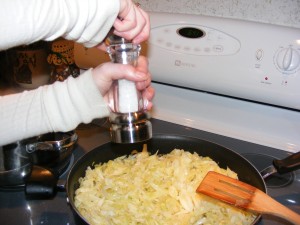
x: 284, y: 83
x: 218, y: 48
x: 259, y: 54
x: 288, y: 60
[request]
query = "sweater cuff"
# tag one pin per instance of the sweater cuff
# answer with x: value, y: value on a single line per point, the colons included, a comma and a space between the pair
x: 94, y: 101
x: 74, y: 101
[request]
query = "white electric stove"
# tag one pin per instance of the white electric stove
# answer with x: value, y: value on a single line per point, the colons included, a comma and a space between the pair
x: 231, y: 82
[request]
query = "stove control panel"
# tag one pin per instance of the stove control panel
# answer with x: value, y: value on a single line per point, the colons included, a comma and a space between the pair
x: 248, y: 60
x: 194, y: 39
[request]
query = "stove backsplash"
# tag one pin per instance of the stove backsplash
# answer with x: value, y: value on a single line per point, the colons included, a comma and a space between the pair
x: 274, y: 12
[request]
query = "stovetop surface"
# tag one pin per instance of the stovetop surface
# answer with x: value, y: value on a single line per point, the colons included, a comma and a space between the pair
x: 16, y: 209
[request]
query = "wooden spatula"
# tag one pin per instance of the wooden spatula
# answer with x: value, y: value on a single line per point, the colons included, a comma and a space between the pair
x: 244, y: 196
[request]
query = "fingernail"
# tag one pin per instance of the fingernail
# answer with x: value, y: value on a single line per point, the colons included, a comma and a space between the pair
x: 146, y: 102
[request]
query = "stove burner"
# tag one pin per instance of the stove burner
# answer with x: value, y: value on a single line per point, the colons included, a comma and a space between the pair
x: 261, y: 161
x: 61, y: 171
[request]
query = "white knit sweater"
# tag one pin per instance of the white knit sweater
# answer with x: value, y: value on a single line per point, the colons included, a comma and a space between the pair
x: 63, y: 105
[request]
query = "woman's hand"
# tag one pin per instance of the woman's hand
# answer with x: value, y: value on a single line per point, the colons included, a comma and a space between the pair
x: 106, y: 73
x: 132, y: 23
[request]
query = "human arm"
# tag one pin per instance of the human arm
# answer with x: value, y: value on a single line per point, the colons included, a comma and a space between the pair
x: 87, y: 22
x: 83, y: 21
x: 62, y: 106
x: 51, y: 108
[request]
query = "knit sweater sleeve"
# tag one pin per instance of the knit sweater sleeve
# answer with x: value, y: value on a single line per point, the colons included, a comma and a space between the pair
x: 84, y: 21
x: 51, y: 108
x: 62, y: 105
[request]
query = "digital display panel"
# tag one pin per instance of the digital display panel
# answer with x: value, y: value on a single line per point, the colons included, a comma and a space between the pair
x: 190, y: 32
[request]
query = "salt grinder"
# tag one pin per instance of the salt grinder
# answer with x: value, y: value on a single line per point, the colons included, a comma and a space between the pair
x: 129, y: 120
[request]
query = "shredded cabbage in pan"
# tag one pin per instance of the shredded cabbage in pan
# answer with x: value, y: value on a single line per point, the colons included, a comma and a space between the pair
x: 154, y: 189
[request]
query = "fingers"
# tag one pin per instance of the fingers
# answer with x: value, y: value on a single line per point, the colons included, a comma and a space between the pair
x: 127, y: 20
x: 139, y: 74
x: 106, y: 73
x: 143, y: 35
x: 148, y: 95
x: 142, y: 67
x: 142, y: 64
x: 134, y: 23
x: 148, y: 91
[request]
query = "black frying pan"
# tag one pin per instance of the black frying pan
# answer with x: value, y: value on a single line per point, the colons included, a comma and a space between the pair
x: 165, y: 144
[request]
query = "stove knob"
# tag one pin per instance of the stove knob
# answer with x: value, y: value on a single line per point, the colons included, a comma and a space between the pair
x: 287, y: 60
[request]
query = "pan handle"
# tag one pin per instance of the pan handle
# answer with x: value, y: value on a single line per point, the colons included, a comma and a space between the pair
x: 287, y: 164
x: 282, y: 166
x: 42, y: 184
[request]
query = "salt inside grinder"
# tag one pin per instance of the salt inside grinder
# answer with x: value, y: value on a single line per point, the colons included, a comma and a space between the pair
x: 129, y: 120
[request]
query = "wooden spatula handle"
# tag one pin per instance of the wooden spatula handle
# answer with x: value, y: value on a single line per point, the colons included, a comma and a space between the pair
x: 272, y: 207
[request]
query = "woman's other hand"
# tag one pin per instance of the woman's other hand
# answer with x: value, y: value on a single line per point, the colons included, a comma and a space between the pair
x: 106, y: 73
